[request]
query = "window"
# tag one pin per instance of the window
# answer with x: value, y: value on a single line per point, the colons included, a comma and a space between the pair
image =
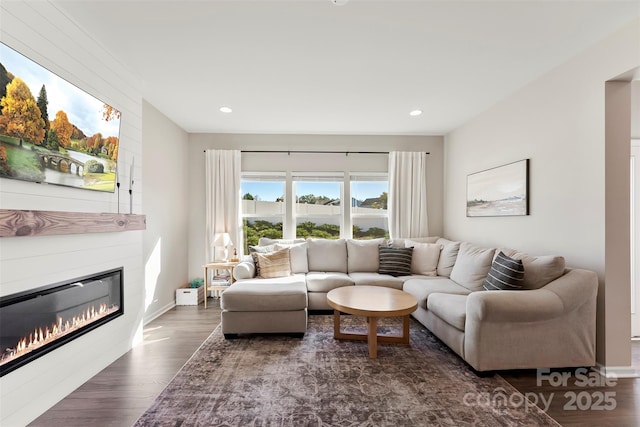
x: 369, y: 206
x: 318, y: 207
x: 263, y: 207
x: 318, y: 210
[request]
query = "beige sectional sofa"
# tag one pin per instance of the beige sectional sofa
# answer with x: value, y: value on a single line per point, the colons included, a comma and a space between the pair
x: 549, y: 323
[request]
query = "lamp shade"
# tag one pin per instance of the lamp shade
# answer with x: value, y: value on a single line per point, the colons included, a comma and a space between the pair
x: 222, y: 239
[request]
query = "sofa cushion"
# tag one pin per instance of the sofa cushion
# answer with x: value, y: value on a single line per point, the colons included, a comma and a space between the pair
x: 448, y: 256
x: 327, y: 255
x: 472, y: 266
x: 375, y: 279
x: 272, y: 264
x: 281, y: 294
x: 538, y: 270
x: 394, y: 261
x: 423, y: 288
x: 450, y: 308
x: 297, y: 256
x: 362, y: 255
x: 424, y: 259
x: 505, y: 274
x: 325, y: 281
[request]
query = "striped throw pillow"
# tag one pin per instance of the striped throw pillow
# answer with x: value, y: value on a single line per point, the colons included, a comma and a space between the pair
x: 394, y: 261
x: 272, y: 264
x: 505, y: 274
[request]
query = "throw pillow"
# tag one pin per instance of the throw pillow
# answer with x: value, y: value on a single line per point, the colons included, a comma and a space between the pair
x: 400, y: 243
x: 539, y: 270
x: 394, y: 261
x: 265, y: 241
x: 272, y: 264
x: 472, y: 266
x: 362, y: 255
x: 297, y: 256
x: 448, y: 256
x: 263, y: 249
x: 505, y: 274
x: 425, y: 257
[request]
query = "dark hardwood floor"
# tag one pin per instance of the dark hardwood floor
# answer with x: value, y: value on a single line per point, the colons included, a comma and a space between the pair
x: 119, y: 394
x: 581, y: 398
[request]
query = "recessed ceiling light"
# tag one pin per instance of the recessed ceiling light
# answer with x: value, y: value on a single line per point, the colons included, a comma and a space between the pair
x: 226, y: 109
x: 415, y: 113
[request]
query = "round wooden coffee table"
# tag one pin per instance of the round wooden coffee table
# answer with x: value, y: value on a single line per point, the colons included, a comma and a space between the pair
x: 372, y: 302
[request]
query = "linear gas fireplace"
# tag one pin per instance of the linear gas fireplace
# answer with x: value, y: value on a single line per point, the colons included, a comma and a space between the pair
x: 35, y: 322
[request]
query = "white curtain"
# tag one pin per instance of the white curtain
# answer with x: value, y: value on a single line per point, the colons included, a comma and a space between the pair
x: 222, y: 198
x: 407, y: 203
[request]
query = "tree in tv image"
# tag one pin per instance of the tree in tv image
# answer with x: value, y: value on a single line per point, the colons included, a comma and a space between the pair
x: 53, y: 132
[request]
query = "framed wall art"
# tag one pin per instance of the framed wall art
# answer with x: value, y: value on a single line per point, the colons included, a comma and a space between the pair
x: 52, y: 131
x: 501, y: 191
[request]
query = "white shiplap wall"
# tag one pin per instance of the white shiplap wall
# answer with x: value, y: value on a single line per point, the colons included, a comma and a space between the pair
x: 40, y: 31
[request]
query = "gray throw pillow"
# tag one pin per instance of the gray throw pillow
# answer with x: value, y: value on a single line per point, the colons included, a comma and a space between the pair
x: 394, y: 261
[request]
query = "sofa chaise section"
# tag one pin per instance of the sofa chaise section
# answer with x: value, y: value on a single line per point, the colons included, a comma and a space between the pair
x: 265, y: 306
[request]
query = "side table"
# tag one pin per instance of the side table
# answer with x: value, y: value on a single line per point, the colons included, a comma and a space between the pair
x: 215, y: 266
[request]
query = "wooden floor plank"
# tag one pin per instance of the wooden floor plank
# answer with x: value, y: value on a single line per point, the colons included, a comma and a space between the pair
x: 119, y: 394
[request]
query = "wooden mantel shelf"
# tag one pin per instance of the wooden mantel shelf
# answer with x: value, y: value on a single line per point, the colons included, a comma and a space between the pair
x: 19, y: 223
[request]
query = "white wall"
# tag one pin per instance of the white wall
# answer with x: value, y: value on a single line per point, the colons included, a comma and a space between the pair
x: 305, y: 162
x: 558, y: 122
x: 41, y: 32
x: 164, y: 171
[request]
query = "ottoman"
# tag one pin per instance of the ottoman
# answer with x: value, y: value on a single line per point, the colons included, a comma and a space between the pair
x: 265, y: 306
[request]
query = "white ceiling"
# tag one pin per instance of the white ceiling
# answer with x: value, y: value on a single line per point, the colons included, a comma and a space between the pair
x: 314, y: 67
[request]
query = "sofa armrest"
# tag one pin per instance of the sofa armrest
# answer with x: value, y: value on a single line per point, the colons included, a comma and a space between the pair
x: 244, y: 270
x: 563, y: 295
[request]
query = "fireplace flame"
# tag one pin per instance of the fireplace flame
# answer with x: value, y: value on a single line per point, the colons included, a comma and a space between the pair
x: 42, y: 336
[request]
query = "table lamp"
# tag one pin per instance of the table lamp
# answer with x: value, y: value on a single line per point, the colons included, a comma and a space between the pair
x: 222, y: 240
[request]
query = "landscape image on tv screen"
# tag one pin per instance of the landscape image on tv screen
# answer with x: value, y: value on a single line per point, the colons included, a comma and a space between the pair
x: 51, y: 131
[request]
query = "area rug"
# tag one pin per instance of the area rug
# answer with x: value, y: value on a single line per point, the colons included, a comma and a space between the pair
x: 277, y: 380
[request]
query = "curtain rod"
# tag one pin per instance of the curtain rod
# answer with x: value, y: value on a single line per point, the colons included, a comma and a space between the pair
x: 315, y: 152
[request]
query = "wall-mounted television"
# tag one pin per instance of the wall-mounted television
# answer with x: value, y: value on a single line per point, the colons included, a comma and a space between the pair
x: 53, y: 132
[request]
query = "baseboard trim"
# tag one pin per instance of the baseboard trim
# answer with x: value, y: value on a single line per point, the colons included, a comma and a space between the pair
x: 148, y: 319
x: 617, y: 371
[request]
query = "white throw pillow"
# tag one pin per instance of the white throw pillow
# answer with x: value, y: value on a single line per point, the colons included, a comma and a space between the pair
x: 362, y: 255
x: 472, y: 266
x: 297, y: 256
x: 425, y: 257
x: 400, y: 243
x: 264, y: 241
x: 327, y: 255
x: 448, y: 256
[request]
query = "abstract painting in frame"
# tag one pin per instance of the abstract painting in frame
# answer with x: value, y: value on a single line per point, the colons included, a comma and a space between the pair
x: 501, y: 191
x: 52, y: 131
